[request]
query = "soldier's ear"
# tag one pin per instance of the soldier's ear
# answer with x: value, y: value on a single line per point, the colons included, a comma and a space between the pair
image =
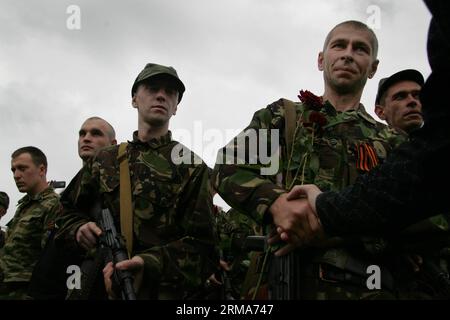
x: 373, y: 68
x: 133, y: 102
x: 175, y: 111
x: 379, y: 110
x: 42, y: 170
x: 320, y: 61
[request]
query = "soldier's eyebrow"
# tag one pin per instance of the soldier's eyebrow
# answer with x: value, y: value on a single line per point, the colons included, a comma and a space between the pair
x: 399, y: 94
x: 338, y: 41
x: 362, y: 45
x: 97, y: 132
x: 404, y: 93
x: 19, y: 167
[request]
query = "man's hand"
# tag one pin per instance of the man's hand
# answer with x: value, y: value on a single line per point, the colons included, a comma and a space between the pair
x: 291, y: 240
x: 135, y: 266
x: 212, y: 280
x: 286, y: 212
x: 414, y: 261
x: 87, y: 235
x: 310, y: 191
x: 295, y: 218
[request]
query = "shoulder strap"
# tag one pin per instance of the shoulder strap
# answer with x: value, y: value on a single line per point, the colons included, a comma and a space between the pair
x: 126, y: 211
x: 290, y: 116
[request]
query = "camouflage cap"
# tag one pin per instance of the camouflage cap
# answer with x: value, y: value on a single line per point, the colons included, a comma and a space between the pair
x: 404, y: 75
x: 4, y: 200
x: 152, y: 70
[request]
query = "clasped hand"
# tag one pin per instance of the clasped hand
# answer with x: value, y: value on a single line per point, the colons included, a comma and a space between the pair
x: 295, y: 218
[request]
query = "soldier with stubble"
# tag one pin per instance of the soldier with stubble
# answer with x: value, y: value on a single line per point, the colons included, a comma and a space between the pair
x: 333, y: 141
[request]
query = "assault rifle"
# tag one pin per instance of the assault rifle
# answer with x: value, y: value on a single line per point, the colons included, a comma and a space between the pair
x: 282, y: 278
x: 227, y: 292
x: 255, y: 243
x: 57, y: 184
x: 114, y: 245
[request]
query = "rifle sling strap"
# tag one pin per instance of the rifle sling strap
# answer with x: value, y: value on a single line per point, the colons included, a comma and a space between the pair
x: 126, y: 209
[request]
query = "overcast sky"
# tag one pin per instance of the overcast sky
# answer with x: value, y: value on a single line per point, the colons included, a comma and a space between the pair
x: 234, y: 56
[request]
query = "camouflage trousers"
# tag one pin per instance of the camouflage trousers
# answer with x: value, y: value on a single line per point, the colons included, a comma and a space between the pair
x: 309, y: 281
x: 14, y: 291
x: 318, y: 285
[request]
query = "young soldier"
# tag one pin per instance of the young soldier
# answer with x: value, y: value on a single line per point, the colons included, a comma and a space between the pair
x: 173, y: 240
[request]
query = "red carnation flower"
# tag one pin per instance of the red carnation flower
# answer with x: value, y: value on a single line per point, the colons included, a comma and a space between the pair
x: 319, y: 118
x: 311, y: 100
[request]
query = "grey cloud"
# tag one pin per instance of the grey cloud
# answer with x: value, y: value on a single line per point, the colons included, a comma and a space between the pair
x: 234, y: 56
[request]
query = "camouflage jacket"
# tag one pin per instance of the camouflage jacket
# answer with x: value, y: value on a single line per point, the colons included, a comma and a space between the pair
x: 27, y: 234
x: 2, y: 238
x: 233, y: 229
x: 172, y: 217
x: 330, y: 149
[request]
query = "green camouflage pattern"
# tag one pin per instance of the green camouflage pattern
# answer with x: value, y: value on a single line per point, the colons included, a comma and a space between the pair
x: 14, y: 291
x: 173, y: 218
x: 437, y: 223
x: 329, y: 153
x: 331, y: 161
x: 27, y: 235
x: 233, y: 228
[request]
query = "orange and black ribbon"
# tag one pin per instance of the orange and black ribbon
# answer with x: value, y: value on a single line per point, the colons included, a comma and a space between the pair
x: 366, y: 157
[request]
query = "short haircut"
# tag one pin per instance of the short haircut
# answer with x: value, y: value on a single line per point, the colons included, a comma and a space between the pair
x: 36, y: 154
x: 358, y: 26
x: 382, y: 101
x: 111, y: 132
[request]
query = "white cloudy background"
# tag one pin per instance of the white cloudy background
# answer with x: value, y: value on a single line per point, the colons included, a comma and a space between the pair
x: 234, y: 56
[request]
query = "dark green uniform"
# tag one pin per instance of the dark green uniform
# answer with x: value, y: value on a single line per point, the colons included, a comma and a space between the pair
x: 330, y: 149
x: 172, y: 218
x: 27, y: 235
x: 233, y: 228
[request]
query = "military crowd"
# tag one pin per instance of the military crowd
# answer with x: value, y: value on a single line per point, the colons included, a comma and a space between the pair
x: 304, y: 232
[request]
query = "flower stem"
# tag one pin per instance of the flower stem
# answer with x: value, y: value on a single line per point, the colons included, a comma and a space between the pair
x: 292, y: 151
